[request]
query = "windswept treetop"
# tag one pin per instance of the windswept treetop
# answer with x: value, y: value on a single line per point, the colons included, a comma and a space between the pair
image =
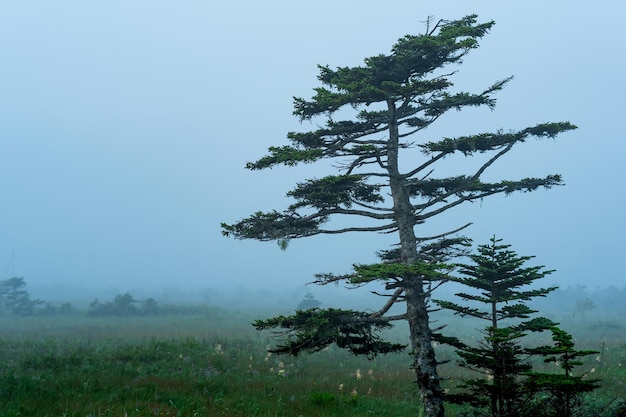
x: 394, y: 96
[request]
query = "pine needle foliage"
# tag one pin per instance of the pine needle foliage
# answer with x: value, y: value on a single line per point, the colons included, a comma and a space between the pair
x: 315, y: 329
x: 563, y: 390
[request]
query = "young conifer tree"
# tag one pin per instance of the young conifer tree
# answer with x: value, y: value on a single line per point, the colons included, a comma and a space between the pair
x: 563, y: 389
x: 395, y: 97
x: 501, y: 284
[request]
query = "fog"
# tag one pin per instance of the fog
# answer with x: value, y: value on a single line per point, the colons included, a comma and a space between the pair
x: 125, y: 128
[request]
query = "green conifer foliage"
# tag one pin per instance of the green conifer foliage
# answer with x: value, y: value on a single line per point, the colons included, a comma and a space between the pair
x: 563, y: 390
x: 507, y: 385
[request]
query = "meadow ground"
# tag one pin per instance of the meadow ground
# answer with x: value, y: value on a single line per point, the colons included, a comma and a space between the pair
x: 213, y: 363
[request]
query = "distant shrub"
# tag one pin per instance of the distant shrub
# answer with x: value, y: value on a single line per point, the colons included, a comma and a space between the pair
x: 583, y: 306
x: 150, y: 307
x: 308, y: 302
x: 66, y: 308
x: 50, y: 309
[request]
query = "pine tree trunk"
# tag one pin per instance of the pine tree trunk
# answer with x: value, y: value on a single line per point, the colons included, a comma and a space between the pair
x: 424, y: 361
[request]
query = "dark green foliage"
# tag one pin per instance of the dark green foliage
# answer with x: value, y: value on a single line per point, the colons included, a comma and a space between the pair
x: 440, y: 188
x: 392, y: 274
x: 508, y: 384
x: 335, y: 191
x: 274, y: 226
x: 488, y: 141
x: 322, y: 398
x: 315, y: 329
x: 14, y: 299
x: 563, y: 390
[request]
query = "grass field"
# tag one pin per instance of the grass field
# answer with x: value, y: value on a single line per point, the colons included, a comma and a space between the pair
x: 213, y: 363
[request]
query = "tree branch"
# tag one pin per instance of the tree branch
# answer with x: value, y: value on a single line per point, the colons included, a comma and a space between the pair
x: 424, y: 239
x: 392, y: 300
x: 424, y: 165
x: 359, y: 229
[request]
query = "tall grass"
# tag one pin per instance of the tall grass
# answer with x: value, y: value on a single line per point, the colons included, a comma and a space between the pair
x: 214, y: 364
x: 208, y: 365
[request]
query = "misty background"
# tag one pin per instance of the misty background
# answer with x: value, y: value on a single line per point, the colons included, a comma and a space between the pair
x: 125, y: 128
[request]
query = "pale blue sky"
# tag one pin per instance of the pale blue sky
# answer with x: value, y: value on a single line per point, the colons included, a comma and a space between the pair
x: 125, y: 127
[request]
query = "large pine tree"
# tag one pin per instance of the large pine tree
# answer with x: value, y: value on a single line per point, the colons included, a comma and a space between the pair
x: 394, y: 96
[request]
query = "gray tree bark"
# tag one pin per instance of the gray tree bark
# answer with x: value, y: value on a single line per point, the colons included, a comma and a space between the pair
x: 424, y: 360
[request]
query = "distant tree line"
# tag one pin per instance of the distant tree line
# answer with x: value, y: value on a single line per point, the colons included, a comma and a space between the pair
x: 15, y: 300
x: 124, y: 305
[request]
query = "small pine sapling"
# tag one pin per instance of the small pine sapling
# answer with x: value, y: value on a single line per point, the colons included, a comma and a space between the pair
x: 563, y: 390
